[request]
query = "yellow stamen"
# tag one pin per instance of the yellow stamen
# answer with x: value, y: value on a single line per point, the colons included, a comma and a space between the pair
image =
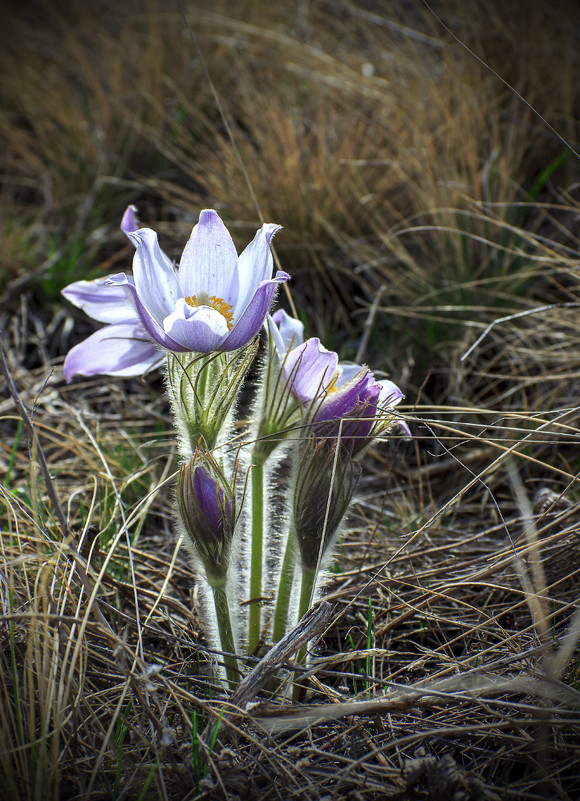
x: 219, y: 304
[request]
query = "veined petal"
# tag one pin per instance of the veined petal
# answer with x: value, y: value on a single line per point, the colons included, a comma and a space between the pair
x: 199, y: 328
x: 276, y: 337
x: 390, y: 394
x: 252, y: 319
x: 209, y: 260
x: 154, y: 275
x: 310, y: 369
x: 151, y: 325
x: 113, y: 350
x: 255, y: 265
x: 344, y: 401
x: 291, y: 330
x: 102, y: 302
x: 129, y: 223
x: 348, y: 372
x: 349, y: 419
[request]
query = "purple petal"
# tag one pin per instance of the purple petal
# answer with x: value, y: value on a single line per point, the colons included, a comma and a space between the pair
x: 291, y: 330
x: 348, y: 418
x: 129, y: 223
x: 154, y: 275
x: 276, y: 338
x: 101, y: 301
x: 152, y: 327
x: 344, y: 400
x: 310, y: 369
x: 390, y: 393
x: 199, y: 328
x: 248, y: 325
x: 255, y: 265
x: 209, y: 260
x: 211, y: 501
x: 113, y: 350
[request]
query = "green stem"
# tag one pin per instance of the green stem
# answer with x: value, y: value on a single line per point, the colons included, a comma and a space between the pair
x: 306, y: 594
x: 284, y: 590
x: 306, y: 591
x: 224, y: 621
x: 256, y: 558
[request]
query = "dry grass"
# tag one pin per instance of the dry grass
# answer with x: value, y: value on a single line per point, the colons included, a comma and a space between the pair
x: 412, y: 184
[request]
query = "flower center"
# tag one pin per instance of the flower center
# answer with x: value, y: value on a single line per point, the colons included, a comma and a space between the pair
x: 219, y: 304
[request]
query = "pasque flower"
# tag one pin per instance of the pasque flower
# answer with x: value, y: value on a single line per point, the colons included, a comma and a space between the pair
x: 342, y: 401
x: 206, y: 512
x: 215, y: 301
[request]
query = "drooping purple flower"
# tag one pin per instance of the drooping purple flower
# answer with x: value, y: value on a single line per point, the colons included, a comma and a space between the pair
x: 343, y: 401
x: 215, y: 301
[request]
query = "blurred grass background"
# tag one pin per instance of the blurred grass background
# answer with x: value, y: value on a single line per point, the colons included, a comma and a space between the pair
x: 402, y: 169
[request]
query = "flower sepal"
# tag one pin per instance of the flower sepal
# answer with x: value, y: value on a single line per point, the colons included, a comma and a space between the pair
x: 203, y: 389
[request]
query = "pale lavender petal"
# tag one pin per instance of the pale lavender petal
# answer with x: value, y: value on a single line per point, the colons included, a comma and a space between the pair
x: 402, y: 424
x: 310, y: 369
x: 113, y: 350
x: 348, y: 372
x: 102, y: 302
x: 390, y: 393
x: 199, y: 328
x: 291, y: 329
x: 276, y: 337
x: 209, y: 261
x: 255, y: 265
x: 150, y: 324
x: 129, y: 223
x: 154, y: 275
x: 248, y: 325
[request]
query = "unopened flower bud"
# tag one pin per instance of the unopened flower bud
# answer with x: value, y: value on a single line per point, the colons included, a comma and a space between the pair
x: 206, y: 511
x: 325, y: 483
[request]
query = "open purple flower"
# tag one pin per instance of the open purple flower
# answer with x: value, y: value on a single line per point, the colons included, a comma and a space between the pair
x: 215, y: 301
x: 344, y: 401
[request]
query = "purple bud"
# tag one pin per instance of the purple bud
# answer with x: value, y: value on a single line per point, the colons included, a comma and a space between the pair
x: 206, y: 511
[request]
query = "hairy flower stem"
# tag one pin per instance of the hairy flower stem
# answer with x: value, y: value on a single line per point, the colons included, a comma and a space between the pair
x: 224, y: 622
x: 306, y: 591
x: 256, y: 558
x: 284, y: 590
x: 306, y: 594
